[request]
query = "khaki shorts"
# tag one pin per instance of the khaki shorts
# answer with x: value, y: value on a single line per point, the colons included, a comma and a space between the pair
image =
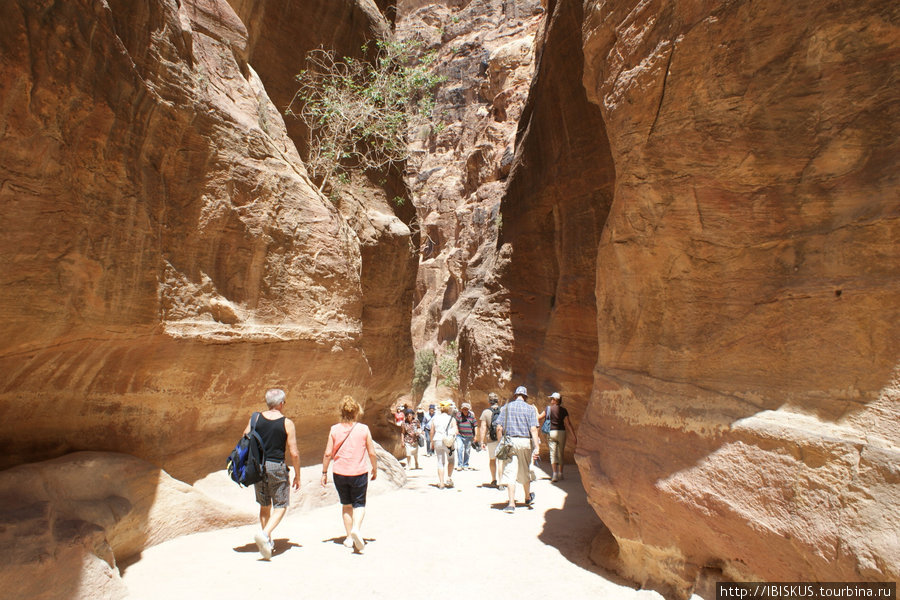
x: 520, y: 462
x: 492, y: 449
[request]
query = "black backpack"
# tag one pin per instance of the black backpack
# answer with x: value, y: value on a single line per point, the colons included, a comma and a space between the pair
x: 247, y: 462
x: 492, y: 430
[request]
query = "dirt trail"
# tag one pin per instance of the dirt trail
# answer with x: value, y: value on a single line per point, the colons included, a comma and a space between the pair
x: 440, y: 543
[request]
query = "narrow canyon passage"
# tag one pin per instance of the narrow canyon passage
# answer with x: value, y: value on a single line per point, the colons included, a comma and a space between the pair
x: 420, y: 541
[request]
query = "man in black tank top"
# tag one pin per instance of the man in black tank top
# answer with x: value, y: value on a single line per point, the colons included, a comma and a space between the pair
x: 279, y: 437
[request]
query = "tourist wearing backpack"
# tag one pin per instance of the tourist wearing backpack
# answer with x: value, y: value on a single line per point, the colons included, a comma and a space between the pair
x: 560, y: 425
x: 487, y: 434
x: 279, y: 436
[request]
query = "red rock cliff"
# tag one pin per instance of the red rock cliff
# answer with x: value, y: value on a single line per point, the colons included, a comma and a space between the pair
x: 165, y: 256
x: 726, y: 182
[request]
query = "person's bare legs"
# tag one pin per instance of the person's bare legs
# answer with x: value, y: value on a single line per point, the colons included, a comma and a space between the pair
x: 451, y: 462
x: 492, y: 463
x: 358, y: 513
x: 273, y: 521
x: 264, y: 513
x: 347, y: 517
x: 440, y: 471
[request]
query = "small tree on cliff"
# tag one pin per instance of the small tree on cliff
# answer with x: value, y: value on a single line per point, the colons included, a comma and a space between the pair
x: 448, y: 367
x: 422, y: 367
x: 358, y: 114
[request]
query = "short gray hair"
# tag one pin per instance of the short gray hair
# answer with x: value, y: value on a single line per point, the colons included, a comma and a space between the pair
x: 274, y: 397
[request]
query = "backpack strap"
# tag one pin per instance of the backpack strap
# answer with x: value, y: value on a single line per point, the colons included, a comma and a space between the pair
x: 254, y: 419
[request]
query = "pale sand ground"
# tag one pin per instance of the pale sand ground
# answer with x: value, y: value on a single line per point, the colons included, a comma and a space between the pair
x: 421, y: 541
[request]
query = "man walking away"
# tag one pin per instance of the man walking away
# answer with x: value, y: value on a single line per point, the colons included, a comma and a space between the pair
x: 487, y: 435
x: 518, y: 419
x: 466, y: 424
x: 426, y: 426
x: 273, y: 492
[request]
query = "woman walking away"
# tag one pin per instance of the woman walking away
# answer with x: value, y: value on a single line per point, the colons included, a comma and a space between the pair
x: 348, y: 444
x: 411, y: 430
x: 559, y: 426
x: 443, y: 426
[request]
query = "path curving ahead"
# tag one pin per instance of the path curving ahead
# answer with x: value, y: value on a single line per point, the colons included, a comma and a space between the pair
x: 446, y: 543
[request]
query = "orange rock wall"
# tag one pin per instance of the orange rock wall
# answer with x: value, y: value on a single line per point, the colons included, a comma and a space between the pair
x: 742, y: 416
x: 166, y: 257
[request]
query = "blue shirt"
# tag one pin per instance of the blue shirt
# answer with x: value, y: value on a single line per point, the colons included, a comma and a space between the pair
x: 517, y: 418
x: 426, y: 422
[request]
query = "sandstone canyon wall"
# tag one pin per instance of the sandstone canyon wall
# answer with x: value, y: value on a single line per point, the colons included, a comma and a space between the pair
x: 166, y: 258
x: 280, y: 34
x: 737, y: 216
x: 556, y: 202
x: 457, y: 174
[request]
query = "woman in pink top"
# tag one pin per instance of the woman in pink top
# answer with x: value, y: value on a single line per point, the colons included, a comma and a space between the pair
x: 351, y: 448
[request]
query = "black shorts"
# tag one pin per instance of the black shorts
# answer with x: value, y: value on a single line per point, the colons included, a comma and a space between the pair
x: 351, y: 489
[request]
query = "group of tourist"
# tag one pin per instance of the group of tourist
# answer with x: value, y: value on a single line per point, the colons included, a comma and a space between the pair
x: 443, y: 431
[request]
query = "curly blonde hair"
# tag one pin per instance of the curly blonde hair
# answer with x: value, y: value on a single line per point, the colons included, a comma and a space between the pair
x: 350, y: 409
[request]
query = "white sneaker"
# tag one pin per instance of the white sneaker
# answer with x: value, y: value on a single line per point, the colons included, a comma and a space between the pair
x: 263, y: 543
x: 358, y: 542
x: 348, y: 542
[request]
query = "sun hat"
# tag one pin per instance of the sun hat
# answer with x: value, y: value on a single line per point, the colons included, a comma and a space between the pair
x: 521, y: 391
x: 554, y: 395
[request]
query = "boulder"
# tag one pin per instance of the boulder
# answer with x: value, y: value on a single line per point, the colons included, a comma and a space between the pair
x: 70, y: 523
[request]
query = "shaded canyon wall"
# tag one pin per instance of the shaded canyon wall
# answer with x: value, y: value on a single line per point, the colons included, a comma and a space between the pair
x: 700, y: 246
x: 166, y: 258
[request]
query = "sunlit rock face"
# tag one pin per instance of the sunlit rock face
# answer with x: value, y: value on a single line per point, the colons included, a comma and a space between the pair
x: 166, y: 257
x: 458, y: 173
x: 281, y: 33
x: 742, y: 421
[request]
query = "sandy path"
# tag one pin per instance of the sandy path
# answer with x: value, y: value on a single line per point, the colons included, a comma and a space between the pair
x: 483, y: 548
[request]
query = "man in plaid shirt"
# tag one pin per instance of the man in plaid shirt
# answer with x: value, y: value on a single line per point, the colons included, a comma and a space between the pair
x: 518, y: 420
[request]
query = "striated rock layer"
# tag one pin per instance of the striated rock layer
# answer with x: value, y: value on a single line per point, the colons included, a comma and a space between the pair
x: 742, y: 421
x: 166, y: 258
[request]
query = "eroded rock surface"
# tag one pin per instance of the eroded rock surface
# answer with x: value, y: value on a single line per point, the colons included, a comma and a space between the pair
x: 281, y: 33
x: 71, y: 526
x: 458, y: 171
x: 166, y: 257
x: 68, y: 523
x: 742, y: 421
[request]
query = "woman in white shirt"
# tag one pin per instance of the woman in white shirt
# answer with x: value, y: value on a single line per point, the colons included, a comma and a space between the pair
x: 443, y: 427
